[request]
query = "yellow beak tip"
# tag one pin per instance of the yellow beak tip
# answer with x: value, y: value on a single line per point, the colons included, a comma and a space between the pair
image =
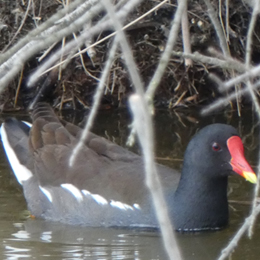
x: 251, y: 177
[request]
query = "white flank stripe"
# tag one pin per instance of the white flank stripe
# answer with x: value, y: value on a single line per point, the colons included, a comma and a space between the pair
x: 137, y: 206
x: 99, y: 199
x: 120, y: 205
x: 73, y: 190
x: 46, y: 193
x: 21, y: 172
x: 86, y: 192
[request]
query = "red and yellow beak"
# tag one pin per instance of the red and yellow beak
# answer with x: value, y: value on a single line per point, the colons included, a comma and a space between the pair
x: 238, y: 162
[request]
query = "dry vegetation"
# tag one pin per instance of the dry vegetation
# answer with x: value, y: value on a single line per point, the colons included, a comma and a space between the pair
x: 68, y: 53
x: 74, y: 83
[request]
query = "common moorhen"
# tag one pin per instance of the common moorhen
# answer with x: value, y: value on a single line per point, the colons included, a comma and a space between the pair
x: 105, y: 186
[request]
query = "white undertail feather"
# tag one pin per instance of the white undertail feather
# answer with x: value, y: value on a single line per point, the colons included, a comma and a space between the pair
x: 21, y: 172
x: 120, y: 205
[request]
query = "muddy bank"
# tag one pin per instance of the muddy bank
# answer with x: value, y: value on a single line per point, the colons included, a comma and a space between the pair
x: 74, y: 84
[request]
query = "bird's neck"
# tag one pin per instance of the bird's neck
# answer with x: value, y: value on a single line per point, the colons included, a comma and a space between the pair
x: 200, y: 203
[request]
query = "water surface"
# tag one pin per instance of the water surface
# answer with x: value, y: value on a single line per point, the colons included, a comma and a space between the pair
x: 24, y: 238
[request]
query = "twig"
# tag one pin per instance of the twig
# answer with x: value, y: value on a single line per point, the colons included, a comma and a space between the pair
x: 248, y: 52
x: 127, y: 52
x: 228, y: 63
x: 233, y: 243
x: 61, y: 56
x: 37, y: 31
x: 227, y: 20
x: 107, y: 37
x: 221, y: 36
x: 221, y: 102
x: 20, y: 27
x: 142, y: 118
x: 10, y: 68
x: 220, y: 17
x: 186, y: 35
x: 255, y: 202
x: 82, y: 62
x: 46, y: 52
x: 179, y: 99
x: 167, y: 52
x: 18, y: 88
x: 96, y: 98
x: 254, y: 72
x: 254, y: 98
x: 143, y: 124
x: 100, y: 26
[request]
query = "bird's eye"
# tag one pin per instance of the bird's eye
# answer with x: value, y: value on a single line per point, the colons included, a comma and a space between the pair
x: 216, y: 147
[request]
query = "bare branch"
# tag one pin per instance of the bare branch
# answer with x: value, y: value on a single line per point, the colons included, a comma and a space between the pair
x: 228, y: 63
x: 143, y: 125
x: 97, y: 98
x: 167, y: 52
x: 233, y: 243
x: 72, y: 45
x: 221, y: 36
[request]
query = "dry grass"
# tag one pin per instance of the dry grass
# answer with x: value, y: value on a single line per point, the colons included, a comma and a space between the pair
x: 78, y: 47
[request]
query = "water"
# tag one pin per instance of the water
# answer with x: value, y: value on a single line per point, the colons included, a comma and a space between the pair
x: 24, y: 238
